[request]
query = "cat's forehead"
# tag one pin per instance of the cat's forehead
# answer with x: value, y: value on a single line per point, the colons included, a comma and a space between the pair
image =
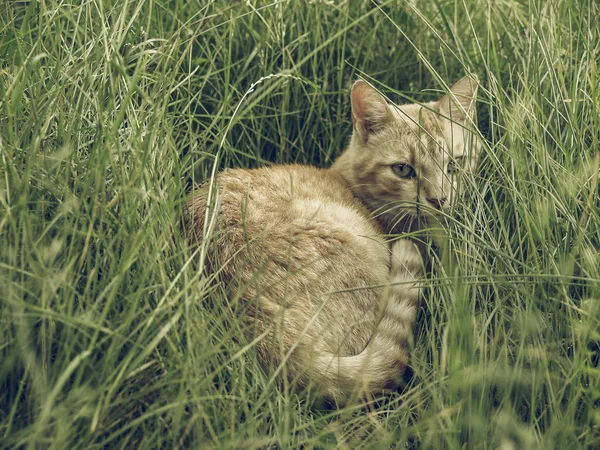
x: 418, y: 117
x: 420, y: 135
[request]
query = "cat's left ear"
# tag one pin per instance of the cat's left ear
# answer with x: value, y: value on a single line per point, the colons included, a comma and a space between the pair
x: 370, y: 111
x: 459, y: 103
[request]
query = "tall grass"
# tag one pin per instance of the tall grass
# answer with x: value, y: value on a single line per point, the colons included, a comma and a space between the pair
x: 110, y: 110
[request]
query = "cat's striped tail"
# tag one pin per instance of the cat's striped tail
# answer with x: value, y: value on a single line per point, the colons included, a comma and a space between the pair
x: 381, y: 365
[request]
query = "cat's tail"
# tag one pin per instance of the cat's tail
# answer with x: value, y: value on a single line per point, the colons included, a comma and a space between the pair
x: 381, y: 365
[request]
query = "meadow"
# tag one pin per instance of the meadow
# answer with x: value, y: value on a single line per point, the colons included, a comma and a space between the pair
x: 112, y: 335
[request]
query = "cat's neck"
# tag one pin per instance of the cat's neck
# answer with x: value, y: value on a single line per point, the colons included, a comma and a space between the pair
x: 344, y: 167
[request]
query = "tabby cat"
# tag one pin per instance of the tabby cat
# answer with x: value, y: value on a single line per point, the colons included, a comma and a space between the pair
x: 332, y: 299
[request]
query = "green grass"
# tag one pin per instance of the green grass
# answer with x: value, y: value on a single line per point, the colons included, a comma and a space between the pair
x: 111, y: 336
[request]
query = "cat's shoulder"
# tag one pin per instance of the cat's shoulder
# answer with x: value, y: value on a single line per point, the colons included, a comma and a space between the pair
x: 279, y: 173
x: 294, y: 179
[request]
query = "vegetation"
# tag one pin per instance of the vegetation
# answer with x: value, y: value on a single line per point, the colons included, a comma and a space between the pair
x: 111, y: 336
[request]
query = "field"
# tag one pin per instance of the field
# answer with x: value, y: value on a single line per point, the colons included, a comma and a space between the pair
x: 112, y: 336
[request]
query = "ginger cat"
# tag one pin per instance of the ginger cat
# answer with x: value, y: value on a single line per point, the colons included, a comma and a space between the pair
x: 305, y: 247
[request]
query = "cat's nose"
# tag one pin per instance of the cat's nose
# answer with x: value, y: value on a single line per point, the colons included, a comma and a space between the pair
x: 437, y: 203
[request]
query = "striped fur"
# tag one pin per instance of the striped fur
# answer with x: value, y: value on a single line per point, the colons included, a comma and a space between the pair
x: 304, y: 248
x: 380, y: 366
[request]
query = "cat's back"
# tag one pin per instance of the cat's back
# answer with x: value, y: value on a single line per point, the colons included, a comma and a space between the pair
x: 303, y: 196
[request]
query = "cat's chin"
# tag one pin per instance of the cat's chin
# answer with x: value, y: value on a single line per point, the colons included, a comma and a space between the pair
x: 433, y: 218
x: 413, y: 220
x: 410, y: 221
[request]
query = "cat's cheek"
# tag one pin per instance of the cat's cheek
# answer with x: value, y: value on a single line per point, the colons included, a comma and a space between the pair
x: 407, y: 194
x: 393, y: 185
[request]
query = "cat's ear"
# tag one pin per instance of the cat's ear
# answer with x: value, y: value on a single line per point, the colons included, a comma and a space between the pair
x: 459, y: 103
x: 370, y: 111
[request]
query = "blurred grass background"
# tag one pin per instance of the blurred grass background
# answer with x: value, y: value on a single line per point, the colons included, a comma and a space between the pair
x: 110, y: 110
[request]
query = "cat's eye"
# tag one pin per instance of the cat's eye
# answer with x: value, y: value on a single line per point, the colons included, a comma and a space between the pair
x: 455, y: 164
x: 404, y: 170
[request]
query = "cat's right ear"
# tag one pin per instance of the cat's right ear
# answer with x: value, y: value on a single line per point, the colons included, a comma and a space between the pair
x: 459, y: 103
x: 370, y: 111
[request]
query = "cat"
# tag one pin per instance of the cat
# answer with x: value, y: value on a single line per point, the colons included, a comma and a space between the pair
x: 333, y: 302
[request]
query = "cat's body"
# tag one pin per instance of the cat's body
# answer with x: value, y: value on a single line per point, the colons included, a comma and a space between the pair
x: 306, y: 247
x: 301, y: 230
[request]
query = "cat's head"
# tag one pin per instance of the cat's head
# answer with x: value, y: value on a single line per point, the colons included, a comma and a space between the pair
x: 405, y: 162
